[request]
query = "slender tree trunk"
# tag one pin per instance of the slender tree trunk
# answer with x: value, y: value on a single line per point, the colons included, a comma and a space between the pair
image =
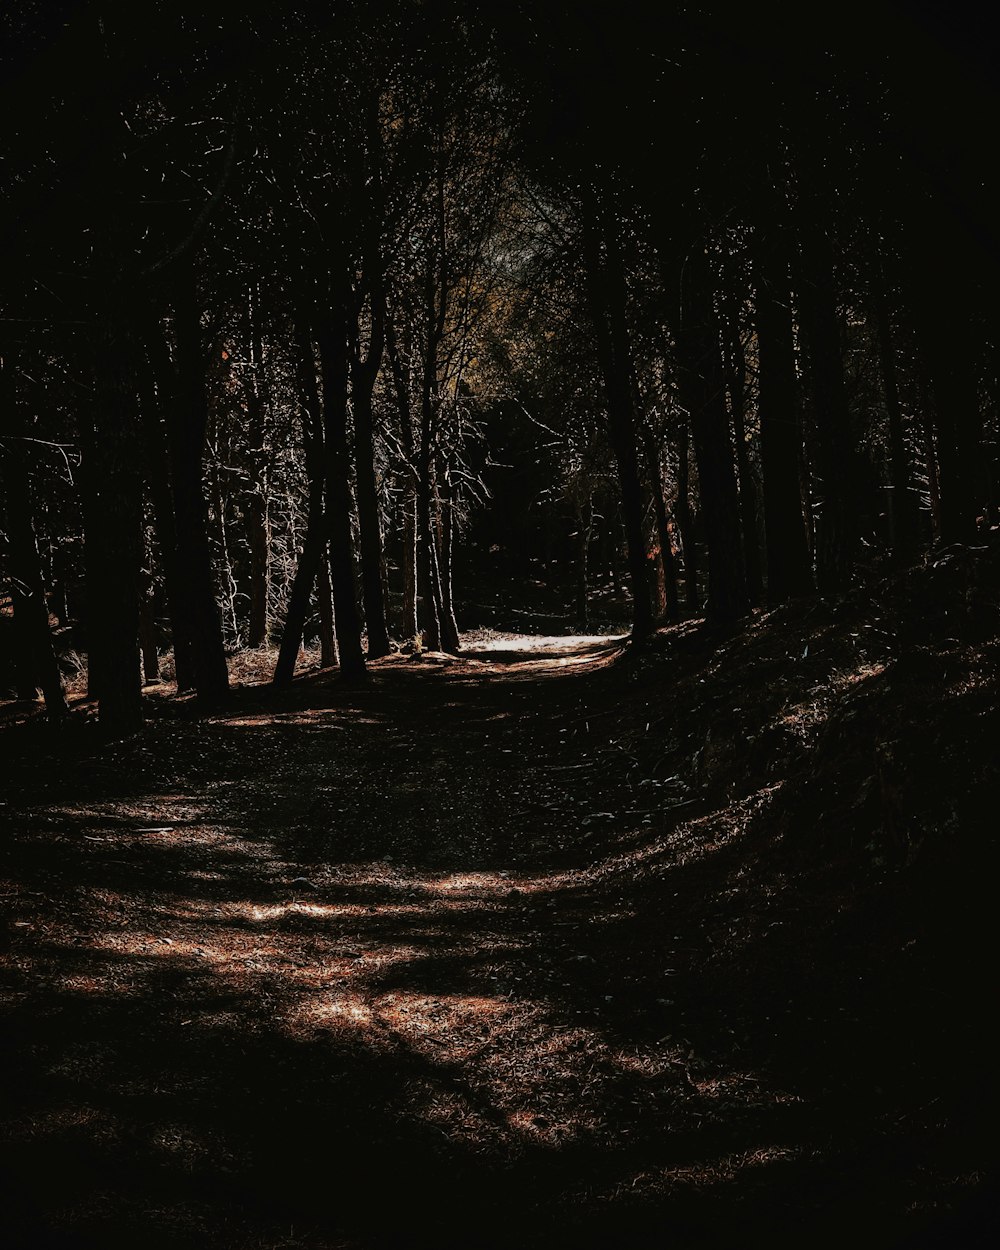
x: 837, y: 537
x: 115, y: 532
x: 606, y: 288
x: 333, y: 353
x: 613, y: 536
x: 401, y: 387
x: 218, y: 521
x: 736, y: 384
x: 147, y: 637
x: 703, y: 389
x: 685, y: 520
x: 409, y: 626
x: 429, y: 591
x: 364, y: 372
x: 788, y: 561
x: 147, y: 623
x: 953, y: 374
x: 446, y: 513
x: 306, y: 570
x: 584, y: 527
x: 328, y: 657
x: 158, y: 479
x: 668, y: 564
x: 930, y: 459
x: 952, y: 304
x: 428, y: 577
x: 312, y: 558
x: 187, y: 446
x: 256, y: 506
x: 34, y: 653
x: 903, y: 514
x: 258, y: 527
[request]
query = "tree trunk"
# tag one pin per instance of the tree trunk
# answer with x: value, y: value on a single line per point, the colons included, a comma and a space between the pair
x: 147, y: 631
x: 35, y: 657
x: 401, y: 387
x: 218, y: 526
x: 584, y: 526
x: 953, y: 374
x: 115, y: 530
x: 188, y: 428
x: 256, y: 509
x: 736, y: 372
x: 837, y: 537
x: 904, y: 520
x: 685, y: 520
x: 789, y: 570
x: 364, y: 372
x: 930, y: 459
x: 333, y: 354
x: 606, y: 287
x: 409, y: 618
x: 313, y: 555
x: 428, y: 585
x: 328, y: 656
x: 446, y: 528
x: 156, y: 450
x: 703, y: 391
x: 668, y: 564
x: 306, y: 571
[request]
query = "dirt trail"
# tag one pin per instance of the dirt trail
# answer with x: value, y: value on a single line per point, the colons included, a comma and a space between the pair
x: 371, y: 967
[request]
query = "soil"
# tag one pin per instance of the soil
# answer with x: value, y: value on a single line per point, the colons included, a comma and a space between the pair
x: 556, y: 943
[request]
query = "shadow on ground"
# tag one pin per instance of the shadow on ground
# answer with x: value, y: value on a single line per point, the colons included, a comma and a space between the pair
x: 413, y: 965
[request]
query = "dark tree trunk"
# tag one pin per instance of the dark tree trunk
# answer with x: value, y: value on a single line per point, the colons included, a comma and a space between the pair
x: 409, y: 555
x: 607, y: 293
x: 34, y: 654
x: 736, y: 371
x: 333, y: 355
x: 703, y: 391
x: 904, y: 520
x: 446, y: 543
x: 88, y: 509
x: 953, y: 373
x: 685, y: 520
x: 428, y: 575
x: 584, y: 526
x: 313, y: 555
x: 428, y: 583
x: 837, y: 536
x: 147, y: 629
x: 789, y: 570
x: 328, y: 657
x: 258, y: 529
x: 147, y: 640
x: 256, y: 509
x: 668, y: 564
x: 401, y: 388
x: 158, y: 478
x: 364, y: 372
x: 930, y: 459
x: 306, y: 571
x: 115, y: 523
x: 218, y: 528
x: 188, y: 427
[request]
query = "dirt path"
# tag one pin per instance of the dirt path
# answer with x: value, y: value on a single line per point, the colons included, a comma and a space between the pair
x: 374, y: 968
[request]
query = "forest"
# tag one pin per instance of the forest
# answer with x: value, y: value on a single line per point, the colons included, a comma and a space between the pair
x: 499, y: 621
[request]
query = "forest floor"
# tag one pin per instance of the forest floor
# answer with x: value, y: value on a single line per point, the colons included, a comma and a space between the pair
x: 558, y: 943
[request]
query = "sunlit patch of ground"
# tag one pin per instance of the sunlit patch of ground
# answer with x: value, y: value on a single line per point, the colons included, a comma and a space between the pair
x: 507, y: 938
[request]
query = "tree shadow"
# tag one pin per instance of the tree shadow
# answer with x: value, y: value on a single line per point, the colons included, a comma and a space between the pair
x: 300, y: 993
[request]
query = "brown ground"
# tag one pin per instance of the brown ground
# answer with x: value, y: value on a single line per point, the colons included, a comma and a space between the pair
x: 554, y: 945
